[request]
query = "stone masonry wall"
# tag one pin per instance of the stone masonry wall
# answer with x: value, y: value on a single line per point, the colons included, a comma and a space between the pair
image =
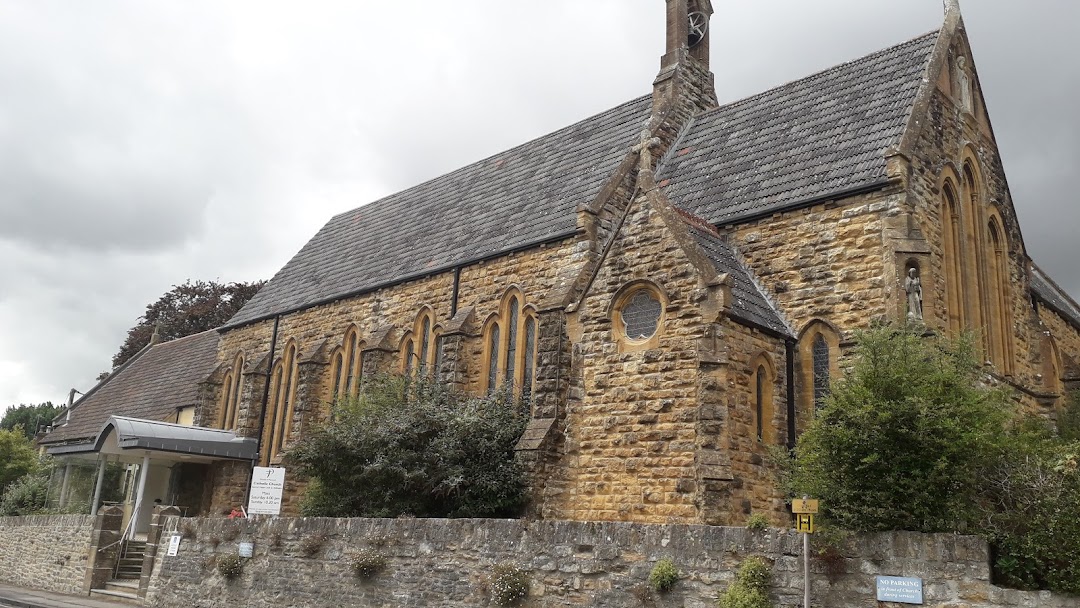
x: 481, y: 287
x: 631, y: 436
x: 47, y: 552
x: 448, y: 563
x: 948, y: 134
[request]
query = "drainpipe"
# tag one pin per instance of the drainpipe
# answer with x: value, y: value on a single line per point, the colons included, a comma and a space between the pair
x: 262, y: 413
x: 790, y: 347
x: 457, y: 289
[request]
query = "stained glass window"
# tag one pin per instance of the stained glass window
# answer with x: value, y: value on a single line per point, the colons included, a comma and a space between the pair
x: 821, y: 370
x: 511, y: 340
x: 425, y: 337
x: 493, y: 364
x: 760, y: 402
x: 530, y: 353
x: 641, y: 315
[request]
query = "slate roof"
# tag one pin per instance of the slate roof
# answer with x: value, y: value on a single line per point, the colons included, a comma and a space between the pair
x: 154, y: 386
x: 822, y: 135
x: 521, y: 197
x: 817, y: 136
x: 749, y: 300
x: 1054, y: 297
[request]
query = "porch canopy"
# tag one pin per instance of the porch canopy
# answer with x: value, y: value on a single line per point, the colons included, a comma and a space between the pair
x: 123, y: 436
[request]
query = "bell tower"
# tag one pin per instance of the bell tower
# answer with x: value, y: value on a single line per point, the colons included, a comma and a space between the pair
x: 684, y: 87
x: 687, y: 31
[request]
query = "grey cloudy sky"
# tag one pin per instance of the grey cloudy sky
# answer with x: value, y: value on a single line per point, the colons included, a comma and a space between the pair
x: 144, y: 143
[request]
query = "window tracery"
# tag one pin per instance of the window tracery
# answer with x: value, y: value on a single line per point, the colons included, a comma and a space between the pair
x: 230, y: 396
x: 510, y: 345
x: 282, y: 403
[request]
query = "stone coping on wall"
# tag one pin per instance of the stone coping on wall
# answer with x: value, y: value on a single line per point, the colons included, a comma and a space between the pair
x: 304, y: 562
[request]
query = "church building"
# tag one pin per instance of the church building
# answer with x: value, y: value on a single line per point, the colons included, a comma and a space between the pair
x: 671, y: 285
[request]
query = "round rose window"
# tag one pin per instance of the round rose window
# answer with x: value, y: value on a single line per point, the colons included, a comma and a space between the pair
x: 641, y: 315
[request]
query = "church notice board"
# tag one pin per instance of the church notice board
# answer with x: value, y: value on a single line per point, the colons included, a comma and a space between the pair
x: 267, y: 486
x: 899, y: 589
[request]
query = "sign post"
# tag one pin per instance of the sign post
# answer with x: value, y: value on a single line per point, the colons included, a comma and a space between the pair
x: 804, y: 510
x: 267, y: 485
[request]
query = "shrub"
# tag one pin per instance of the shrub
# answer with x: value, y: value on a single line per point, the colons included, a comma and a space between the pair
x: 664, y: 575
x: 902, y: 441
x: 412, y: 447
x: 751, y: 586
x: 311, y: 545
x: 25, y: 496
x: 509, y: 584
x: 1069, y: 420
x: 1033, y: 513
x: 230, y: 566
x: 367, y: 562
x: 757, y: 522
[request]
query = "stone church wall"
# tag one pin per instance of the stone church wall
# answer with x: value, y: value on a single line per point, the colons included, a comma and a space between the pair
x: 449, y: 563
x: 481, y: 287
x: 631, y: 440
x: 948, y: 135
x: 745, y: 484
x: 47, y: 552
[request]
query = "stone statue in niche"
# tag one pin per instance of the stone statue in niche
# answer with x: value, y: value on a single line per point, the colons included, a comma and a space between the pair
x: 913, y: 287
x: 963, y: 82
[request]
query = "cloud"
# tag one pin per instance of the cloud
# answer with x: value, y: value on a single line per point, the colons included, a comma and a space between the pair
x: 145, y: 143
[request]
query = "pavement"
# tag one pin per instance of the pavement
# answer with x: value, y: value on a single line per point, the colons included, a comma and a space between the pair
x: 15, y: 597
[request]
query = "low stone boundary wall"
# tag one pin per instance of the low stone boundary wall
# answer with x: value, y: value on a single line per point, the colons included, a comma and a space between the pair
x: 447, y: 563
x: 46, y: 552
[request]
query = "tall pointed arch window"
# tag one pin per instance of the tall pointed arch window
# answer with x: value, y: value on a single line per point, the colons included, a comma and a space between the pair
x: 761, y: 384
x: 951, y: 228
x: 822, y: 372
x: 819, y: 352
x: 999, y: 326
x: 418, y: 349
x: 510, y: 346
x: 229, y: 409
x: 282, y: 402
x: 347, y: 364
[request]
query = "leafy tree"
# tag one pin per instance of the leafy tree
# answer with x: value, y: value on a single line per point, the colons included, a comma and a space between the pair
x: 412, y: 447
x: 185, y: 310
x: 904, y: 438
x: 26, y: 495
x: 17, y: 457
x: 28, y: 417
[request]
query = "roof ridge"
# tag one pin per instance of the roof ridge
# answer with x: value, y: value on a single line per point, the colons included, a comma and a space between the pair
x: 818, y: 74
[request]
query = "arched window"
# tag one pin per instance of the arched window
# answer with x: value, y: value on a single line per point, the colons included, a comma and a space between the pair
x: 951, y: 235
x: 762, y: 384
x: 821, y: 371
x: 418, y: 350
x: 510, y: 349
x: 975, y: 259
x: 819, y: 348
x: 282, y: 398
x: 230, y: 395
x: 347, y: 364
x: 1000, y: 314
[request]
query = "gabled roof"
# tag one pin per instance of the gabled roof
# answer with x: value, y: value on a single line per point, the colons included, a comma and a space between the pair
x: 818, y: 136
x: 823, y: 135
x: 1054, y: 297
x: 522, y: 197
x: 162, y: 380
x: 750, y: 302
